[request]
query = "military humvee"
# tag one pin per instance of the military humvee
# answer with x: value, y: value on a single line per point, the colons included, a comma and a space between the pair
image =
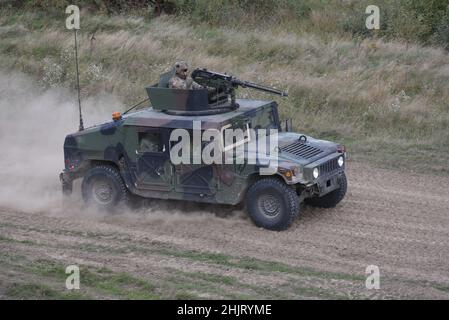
x: 132, y: 155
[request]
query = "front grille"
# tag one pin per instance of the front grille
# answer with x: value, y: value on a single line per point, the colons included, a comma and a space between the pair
x: 301, y: 149
x: 328, y: 167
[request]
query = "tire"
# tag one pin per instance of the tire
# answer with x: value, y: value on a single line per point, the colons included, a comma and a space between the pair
x: 272, y: 204
x: 104, y: 188
x: 331, y: 199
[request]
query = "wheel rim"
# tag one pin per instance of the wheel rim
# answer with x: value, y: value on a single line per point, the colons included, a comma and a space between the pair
x: 269, y: 205
x: 102, y: 192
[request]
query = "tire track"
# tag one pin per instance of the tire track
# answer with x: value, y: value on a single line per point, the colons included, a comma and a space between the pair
x: 398, y: 221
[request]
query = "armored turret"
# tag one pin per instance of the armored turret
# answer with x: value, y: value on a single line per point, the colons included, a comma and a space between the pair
x: 218, y: 95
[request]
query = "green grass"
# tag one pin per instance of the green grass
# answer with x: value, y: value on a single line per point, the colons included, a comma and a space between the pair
x: 203, y: 283
x: 179, y: 284
x: 35, y: 291
x: 47, y: 268
x: 319, y: 293
x: 387, y: 101
x: 245, y: 263
x: 252, y: 264
x: 120, y: 285
x: 26, y: 241
x: 442, y: 288
x: 45, y: 279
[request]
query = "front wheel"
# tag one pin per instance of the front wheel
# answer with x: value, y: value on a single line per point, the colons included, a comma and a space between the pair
x: 104, y: 188
x: 272, y: 204
x: 331, y: 199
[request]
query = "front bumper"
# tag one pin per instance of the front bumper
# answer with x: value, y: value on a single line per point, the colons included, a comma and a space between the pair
x: 327, y: 185
x: 329, y: 176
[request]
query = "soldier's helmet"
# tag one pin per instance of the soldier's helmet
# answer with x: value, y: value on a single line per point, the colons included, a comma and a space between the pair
x: 181, y: 69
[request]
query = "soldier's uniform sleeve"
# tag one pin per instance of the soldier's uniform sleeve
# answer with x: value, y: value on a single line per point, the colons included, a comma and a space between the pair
x: 176, y: 83
x: 192, y: 84
x: 196, y: 86
x: 171, y: 83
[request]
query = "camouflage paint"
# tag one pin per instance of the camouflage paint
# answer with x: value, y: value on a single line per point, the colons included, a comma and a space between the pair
x: 150, y: 174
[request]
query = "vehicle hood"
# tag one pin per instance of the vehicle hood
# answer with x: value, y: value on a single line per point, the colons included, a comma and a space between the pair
x: 303, y: 149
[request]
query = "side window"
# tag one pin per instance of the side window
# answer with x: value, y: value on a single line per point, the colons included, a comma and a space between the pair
x: 234, y: 135
x: 151, y: 142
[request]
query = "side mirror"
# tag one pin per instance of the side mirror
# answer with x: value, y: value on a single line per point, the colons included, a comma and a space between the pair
x: 288, y: 125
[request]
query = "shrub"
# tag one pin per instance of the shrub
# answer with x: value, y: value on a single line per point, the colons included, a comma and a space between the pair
x: 443, y: 30
x: 423, y: 21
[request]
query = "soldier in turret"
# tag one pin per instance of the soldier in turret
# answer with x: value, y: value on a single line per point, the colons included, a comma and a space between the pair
x: 181, y: 79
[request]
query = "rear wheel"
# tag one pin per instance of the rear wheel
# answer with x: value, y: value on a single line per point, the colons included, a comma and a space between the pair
x: 272, y: 204
x: 331, y: 199
x: 104, y: 188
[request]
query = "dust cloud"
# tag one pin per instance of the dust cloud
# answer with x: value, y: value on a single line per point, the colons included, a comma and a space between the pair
x: 33, y: 124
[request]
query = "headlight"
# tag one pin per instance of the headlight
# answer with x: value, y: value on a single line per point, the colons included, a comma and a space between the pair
x: 315, y: 173
x: 295, y: 171
x: 341, y: 161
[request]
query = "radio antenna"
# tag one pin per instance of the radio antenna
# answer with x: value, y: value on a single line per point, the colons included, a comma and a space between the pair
x: 81, y: 128
x: 136, y: 105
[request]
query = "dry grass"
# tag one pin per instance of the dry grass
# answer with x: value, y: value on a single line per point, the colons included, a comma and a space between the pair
x: 387, y: 101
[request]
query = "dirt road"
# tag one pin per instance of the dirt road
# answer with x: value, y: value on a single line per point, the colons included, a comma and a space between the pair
x: 396, y: 221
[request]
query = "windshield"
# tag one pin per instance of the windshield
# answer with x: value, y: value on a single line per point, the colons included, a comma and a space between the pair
x: 264, y: 119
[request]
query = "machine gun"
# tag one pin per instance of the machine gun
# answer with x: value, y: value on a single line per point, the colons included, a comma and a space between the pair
x: 225, y: 85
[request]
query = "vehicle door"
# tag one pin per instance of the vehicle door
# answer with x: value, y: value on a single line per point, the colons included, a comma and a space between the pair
x: 193, y: 178
x: 153, y: 167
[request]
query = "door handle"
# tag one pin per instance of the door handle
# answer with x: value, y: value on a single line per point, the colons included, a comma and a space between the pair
x: 160, y: 171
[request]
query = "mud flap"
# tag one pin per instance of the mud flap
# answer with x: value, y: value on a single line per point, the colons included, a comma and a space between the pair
x: 66, y: 183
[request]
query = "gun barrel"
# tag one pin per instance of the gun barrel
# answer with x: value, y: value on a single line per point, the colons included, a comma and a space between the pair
x: 204, y: 74
x: 262, y: 88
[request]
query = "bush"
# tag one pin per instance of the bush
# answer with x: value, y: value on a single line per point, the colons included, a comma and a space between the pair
x: 443, y: 30
x: 428, y: 14
x: 422, y: 21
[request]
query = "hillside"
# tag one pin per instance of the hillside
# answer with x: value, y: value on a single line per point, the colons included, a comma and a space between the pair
x: 384, y: 94
x: 387, y: 101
